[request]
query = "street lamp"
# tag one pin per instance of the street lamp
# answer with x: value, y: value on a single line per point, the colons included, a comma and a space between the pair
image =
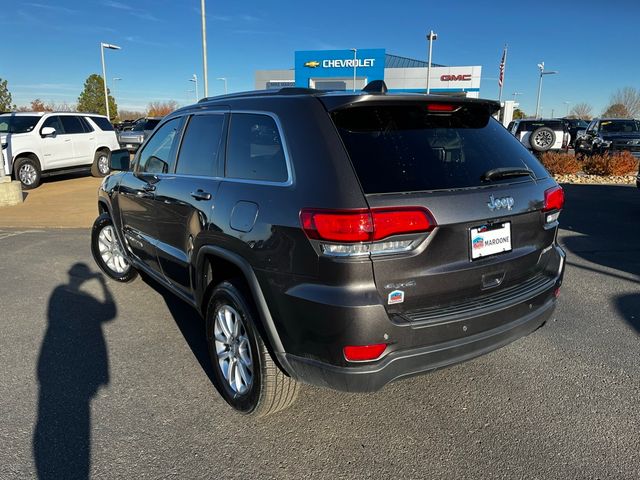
x: 515, y: 95
x: 104, y: 73
x: 431, y: 36
x: 542, y: 73
x: 355, y: 62
x: 203, y: 18
x: 225, y: 83
x: 195, y: 80
x: 567, y: 103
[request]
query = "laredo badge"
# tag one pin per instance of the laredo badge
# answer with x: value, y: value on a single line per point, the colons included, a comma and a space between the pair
x: 397, y: 296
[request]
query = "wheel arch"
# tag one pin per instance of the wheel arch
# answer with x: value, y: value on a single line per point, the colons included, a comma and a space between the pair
x: 25, y: 153
x: 231, y: 265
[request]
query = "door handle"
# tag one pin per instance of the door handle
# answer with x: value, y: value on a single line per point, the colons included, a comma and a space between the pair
x: 201, y: 195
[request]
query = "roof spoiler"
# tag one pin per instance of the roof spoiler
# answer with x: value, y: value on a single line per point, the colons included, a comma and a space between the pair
x: 377, y: 86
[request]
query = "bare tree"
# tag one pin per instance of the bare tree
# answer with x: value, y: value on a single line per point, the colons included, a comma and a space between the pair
x: 582, y: 110
x: 160, y: 109
x: 130, y: 114
x: 629, y: 97
x: 617, y: 110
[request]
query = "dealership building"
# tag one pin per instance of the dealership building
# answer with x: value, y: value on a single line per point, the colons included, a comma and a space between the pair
x: 337, y: 69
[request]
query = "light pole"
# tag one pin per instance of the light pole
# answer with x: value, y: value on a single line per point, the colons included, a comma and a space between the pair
x: 113, y: 83
x: 203, y: 18
x: 567, y: 103
x: 195, y: 80
x: 104, y: 74
x: 355, y: 62
x: 515, y: 95
x: 542, y: 74
x: 431, y: 36
x: 224, y: 79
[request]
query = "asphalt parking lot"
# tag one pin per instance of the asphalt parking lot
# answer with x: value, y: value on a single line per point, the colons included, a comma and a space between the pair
x: 112, y: 380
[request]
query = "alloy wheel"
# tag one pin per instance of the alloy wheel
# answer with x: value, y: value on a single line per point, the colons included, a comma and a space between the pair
x: 27, y: 174
x: 110, y: 251
x: 233, y: 349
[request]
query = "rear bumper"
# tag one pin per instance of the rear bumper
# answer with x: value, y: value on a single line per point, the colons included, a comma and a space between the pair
x: 405, y: 363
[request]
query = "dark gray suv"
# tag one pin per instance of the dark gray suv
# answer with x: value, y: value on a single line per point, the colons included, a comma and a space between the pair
x: 340, y: 239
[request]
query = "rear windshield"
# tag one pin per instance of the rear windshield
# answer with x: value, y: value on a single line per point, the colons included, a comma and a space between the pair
x: 558, y: 125
x: 144, y: 124
x: 17, y: 123
x: 405, y: 148
x: 103, y: 123
x: 620, y: 126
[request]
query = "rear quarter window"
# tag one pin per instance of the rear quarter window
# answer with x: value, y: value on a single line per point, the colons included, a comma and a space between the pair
x: 405, y: 148
x: 102, y: 123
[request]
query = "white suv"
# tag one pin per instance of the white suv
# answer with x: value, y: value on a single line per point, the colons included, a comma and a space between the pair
x: 39, y: 144
x: 541, y: 135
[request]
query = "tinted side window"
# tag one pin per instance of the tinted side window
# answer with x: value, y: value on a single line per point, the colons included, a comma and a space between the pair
x: 54, y: 122
x: 103, y: 123
x: 200, y: 145
x: 254, y: 149
x: 71, y: 124
x: 85, y: 125
x: 151, y: 124
x: 158, y: 154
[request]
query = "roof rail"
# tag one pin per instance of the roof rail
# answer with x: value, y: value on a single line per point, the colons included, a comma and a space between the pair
x: 256, y: 93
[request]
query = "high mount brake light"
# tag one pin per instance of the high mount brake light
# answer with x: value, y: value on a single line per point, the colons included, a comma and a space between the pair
x: 351, y: 226
x: 441, y: 107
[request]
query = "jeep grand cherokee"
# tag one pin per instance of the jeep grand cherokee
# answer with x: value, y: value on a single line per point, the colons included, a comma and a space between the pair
x: 344, y: 240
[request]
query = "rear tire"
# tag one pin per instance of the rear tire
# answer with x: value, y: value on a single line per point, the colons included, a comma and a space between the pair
x: 244, y: 371
x: 100, y: 165
x: 542, y: 139
x: 27, y: 170
x: 108, y: 252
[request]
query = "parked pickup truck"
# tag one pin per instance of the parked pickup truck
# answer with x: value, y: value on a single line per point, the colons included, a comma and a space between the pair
x: 610, y: 135
x: 132, y: 139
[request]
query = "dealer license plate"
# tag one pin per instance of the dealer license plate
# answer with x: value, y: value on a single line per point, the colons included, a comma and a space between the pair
x: 490, y: 239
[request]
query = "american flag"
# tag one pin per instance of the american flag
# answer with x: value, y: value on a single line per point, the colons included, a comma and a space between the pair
x: 502, y: 64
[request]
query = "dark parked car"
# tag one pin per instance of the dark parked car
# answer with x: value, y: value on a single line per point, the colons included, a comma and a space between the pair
x: 131, y: 138
x: 575, y: 125
x: 610, y: 135
x: 341, y: 239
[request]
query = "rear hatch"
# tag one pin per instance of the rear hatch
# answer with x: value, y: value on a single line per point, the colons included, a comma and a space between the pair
x: 482, y: 192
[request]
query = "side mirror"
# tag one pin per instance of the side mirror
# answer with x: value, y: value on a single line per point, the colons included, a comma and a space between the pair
x: 47, y: 132
x: 119, y: 160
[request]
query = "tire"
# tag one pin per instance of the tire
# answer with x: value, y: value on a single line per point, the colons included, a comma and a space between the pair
x: 100, y: 165
x: 107, y: 251
x: 542, y: 139
x: 263, y: 389
x: 27, y: 170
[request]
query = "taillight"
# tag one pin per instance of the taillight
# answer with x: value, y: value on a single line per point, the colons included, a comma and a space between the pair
x: 337, y: 226
x: 553, y: 202
x: 363, y: 353
x: 358, y: 232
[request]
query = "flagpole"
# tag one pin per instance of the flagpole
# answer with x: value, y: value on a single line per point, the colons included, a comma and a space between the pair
x: 504, y: 68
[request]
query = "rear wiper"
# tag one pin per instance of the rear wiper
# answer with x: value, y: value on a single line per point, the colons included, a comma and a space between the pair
x: 505, y: 172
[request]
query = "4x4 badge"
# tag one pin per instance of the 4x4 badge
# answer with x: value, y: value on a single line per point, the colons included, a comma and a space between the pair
x: 498, y: 203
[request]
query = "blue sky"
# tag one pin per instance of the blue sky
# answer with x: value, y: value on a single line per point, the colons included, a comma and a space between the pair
x: 51, y: 46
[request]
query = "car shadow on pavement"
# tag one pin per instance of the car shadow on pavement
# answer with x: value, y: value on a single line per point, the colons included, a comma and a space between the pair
x: 604, y: 217
x: 72, y: 366
x: 190, y: 324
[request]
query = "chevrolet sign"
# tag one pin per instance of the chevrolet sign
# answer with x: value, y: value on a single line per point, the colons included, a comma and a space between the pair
x: 312, y: 64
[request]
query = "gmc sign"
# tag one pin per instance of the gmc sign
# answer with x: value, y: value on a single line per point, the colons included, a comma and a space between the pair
x: 455, y: 78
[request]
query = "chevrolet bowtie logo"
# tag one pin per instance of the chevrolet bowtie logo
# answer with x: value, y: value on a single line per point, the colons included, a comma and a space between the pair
x: 312, y: 64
